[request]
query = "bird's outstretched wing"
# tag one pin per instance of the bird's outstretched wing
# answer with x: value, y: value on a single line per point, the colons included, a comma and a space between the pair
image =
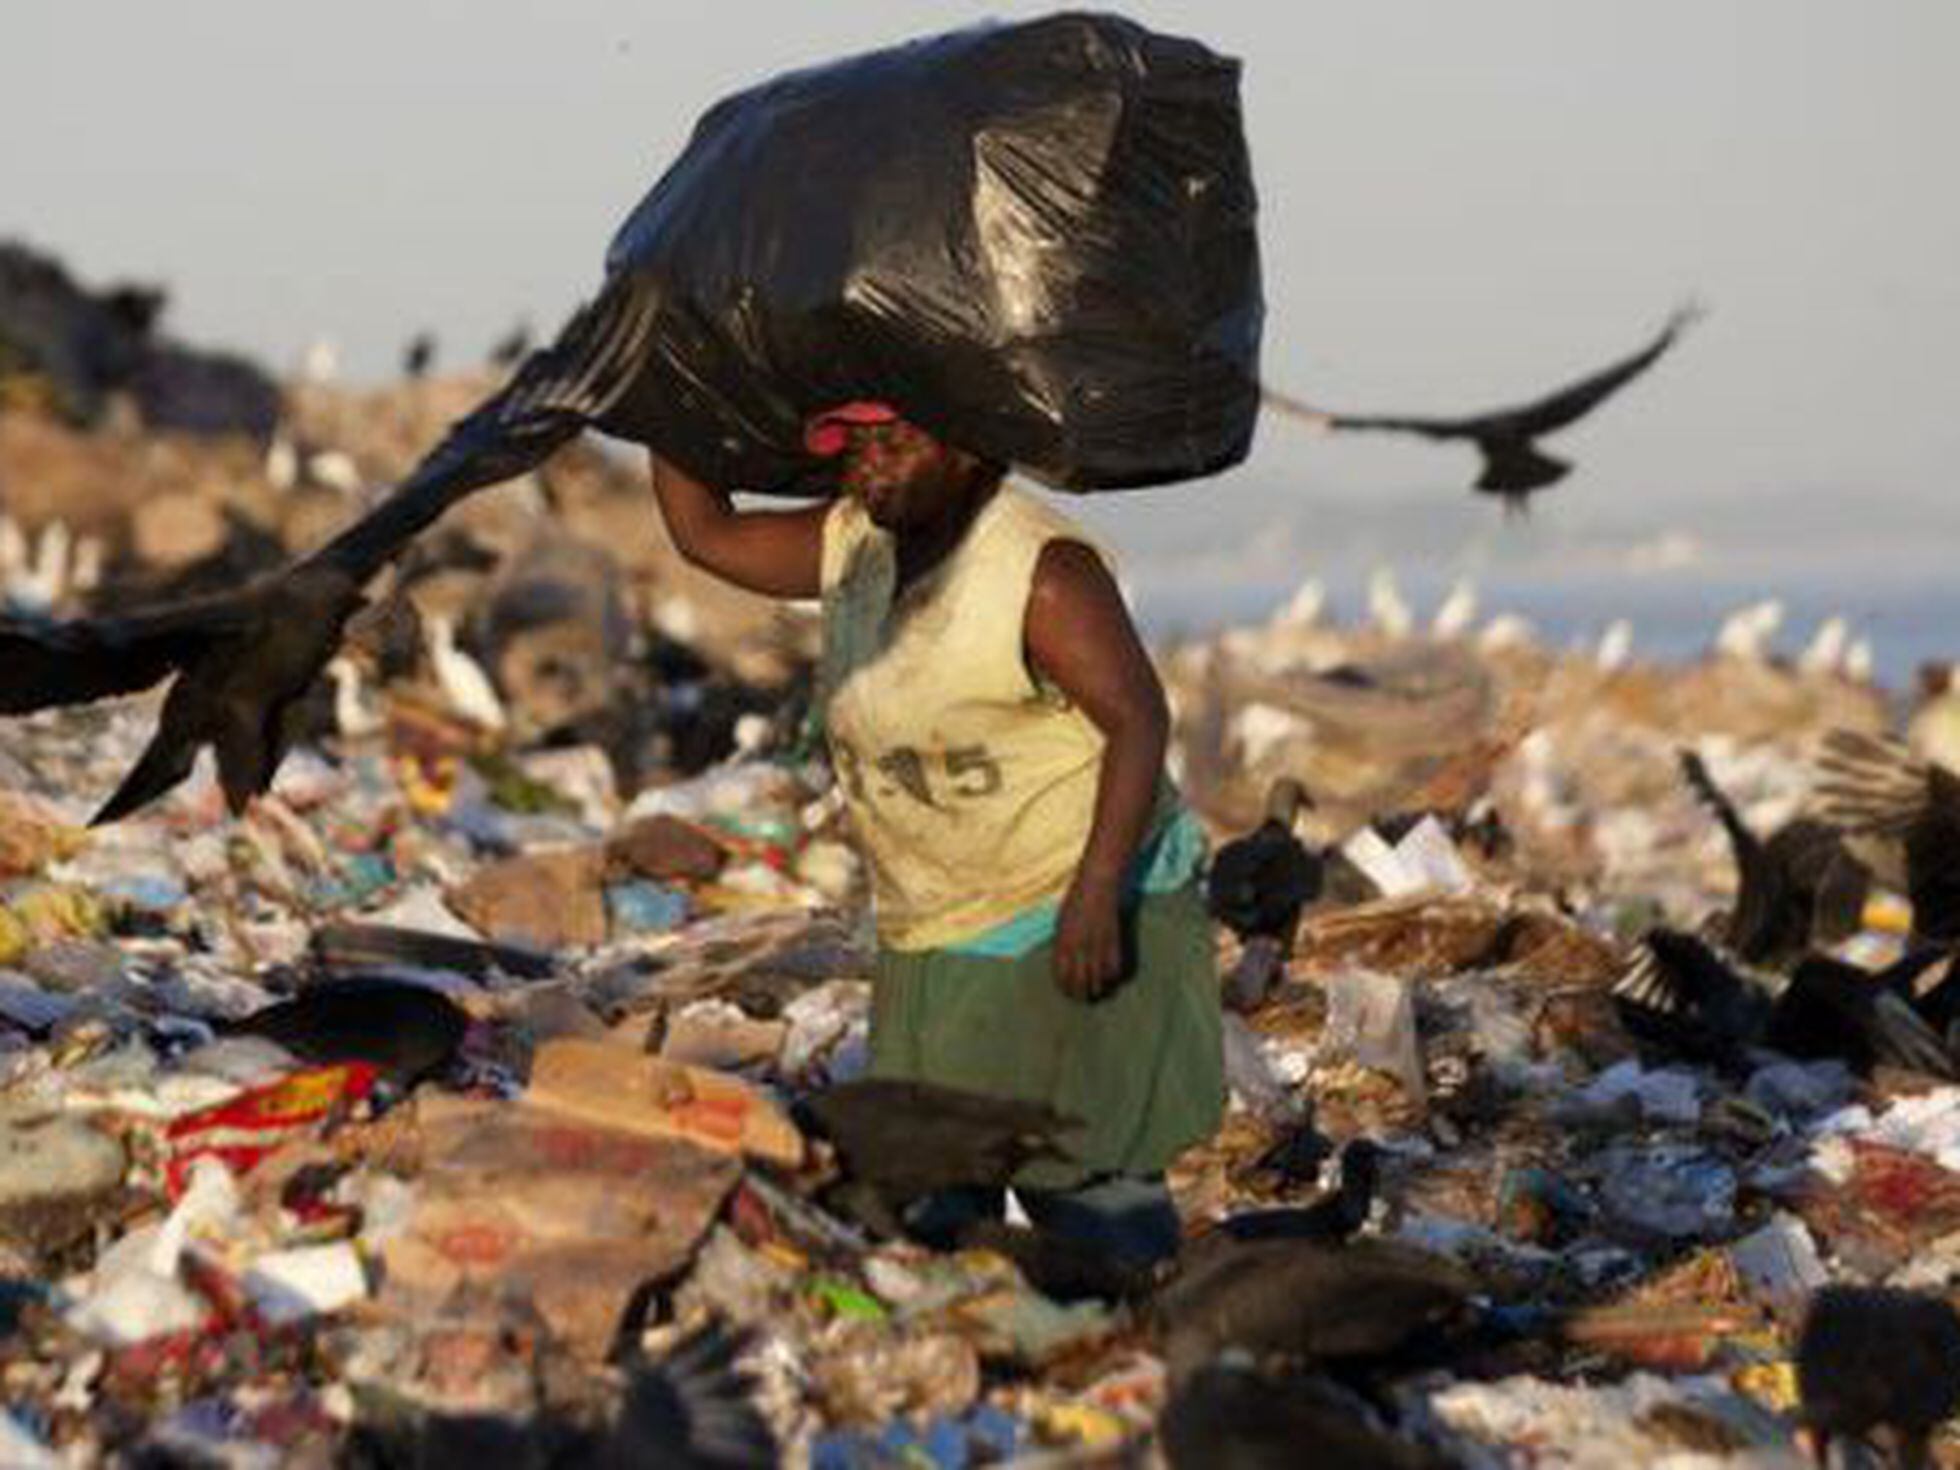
x: 1541, y: 415
x: 1513, y: 466
x: 1876, y: 788
x: 243, y: 660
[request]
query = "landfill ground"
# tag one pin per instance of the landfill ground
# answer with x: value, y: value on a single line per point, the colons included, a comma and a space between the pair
x: 222, y: 1243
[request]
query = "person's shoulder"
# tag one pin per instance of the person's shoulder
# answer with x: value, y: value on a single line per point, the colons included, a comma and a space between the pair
x: 1021, y: 512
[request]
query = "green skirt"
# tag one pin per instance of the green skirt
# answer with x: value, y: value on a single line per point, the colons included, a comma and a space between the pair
x: 1143, y: 1067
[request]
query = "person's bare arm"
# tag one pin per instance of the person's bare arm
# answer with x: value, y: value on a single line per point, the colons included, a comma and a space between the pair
x: 1080, y: 638
x: 777, y: 553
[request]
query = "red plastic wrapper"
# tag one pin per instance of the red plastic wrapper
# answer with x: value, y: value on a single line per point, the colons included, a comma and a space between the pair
x: 243, y: 1131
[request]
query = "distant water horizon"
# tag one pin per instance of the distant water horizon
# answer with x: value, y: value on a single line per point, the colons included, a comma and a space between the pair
x: 1674, y: 618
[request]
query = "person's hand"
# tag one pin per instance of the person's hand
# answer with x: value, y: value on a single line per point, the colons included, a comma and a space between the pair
x: 1089, y: 938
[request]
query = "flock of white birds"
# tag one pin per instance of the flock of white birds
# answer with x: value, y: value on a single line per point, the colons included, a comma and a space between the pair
x: 1746, y: 634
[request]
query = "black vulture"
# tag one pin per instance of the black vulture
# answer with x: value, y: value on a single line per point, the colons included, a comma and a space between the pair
x: 244, y: 660
x: 1234, y: 1416
x: 1258, y: 885
x: 1798, y: 888
x: 900, y: 1140
x: 1334, y: 1217
x: 1878, y: 1358
x: 408, y: 1032
x: 1339, y: 1307
x: 1678, y: 993
x: 1514, y: 468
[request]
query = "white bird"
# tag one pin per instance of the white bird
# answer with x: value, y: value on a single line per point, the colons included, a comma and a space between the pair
x: 751, y: 733
x: 1259, y: 729
x: 1860, y: 662
x: 1306, y: 605
x: 35, y: 585
x: 1457, y: 612
x: 464, y: 684
x: 1507, y: 630
x: 321, y: 361
x: 1823, y: 656
x: 13, y: 550
x: 282, y: 461
x: 52, y: 554
x: 1387, y: 609
x: 676, y: 618
x: 1745, y: 633
x: 353, y: 715
x: 1615, y: 648
x: 335, y: 468
x: 85, y: 570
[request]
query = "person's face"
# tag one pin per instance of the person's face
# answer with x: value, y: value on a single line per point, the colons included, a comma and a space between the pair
x: 903, y: 477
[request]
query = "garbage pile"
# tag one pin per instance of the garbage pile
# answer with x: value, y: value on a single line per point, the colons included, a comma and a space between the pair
x: 467, y: 1095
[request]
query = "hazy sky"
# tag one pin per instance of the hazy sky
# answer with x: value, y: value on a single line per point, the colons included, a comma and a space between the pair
x: 1461, y: 204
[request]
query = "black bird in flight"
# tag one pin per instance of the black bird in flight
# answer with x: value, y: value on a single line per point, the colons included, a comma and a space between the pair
x: 1878, y: 1358
x: 1514, y: 467
x: 244, y: 660
x: 1798, y: 888
x: 419, y: 355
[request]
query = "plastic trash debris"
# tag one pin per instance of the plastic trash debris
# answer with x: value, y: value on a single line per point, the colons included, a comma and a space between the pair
x: 1424, y: 860
x: 1666, y: 1191
x: 1371, y: 1018
x: 1044, y: 220
x: 986, y: 1435
x: 829, y: 1031
x: 644, y: 908
x: 1250, y: 1076
x: 1779, y: 1264
x: 136, y: 1291
x: 250, y: 1126
x: 290, y: 1285
x: 1664, y: 1096
x: 1801, y: 1091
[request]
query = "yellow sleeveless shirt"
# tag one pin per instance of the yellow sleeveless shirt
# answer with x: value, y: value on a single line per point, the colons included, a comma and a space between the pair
x: 971, y: 787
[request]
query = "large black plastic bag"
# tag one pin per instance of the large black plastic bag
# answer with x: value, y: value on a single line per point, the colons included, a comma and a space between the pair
x: 1035, y: 240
